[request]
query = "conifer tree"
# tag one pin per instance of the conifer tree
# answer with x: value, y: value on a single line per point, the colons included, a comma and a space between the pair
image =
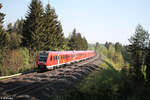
x: 54, y: 38
x: 147, y: 63
x: 33, y: 28
x: 9, y: 28
x: 139, y: 41
x: 85, y: 43
x: 18, y: 26
x: 72, y: 42
x: 4, y: 36
x: 60, y: 37
x: 49, y: 25
x: 96, y: 47
x: 79, y: 42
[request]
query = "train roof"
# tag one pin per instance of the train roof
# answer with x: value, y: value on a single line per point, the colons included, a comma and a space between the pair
x: 66, y: 52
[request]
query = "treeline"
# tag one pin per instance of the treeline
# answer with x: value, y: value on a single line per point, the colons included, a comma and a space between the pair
x: 77, y: 42
x: 116, y: 53
x: 40, y: 30
x: 131, y: 63
x: 136, y: 54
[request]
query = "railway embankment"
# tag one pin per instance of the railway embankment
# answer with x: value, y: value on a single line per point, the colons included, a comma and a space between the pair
x: 47, y: 85
x: 107, y: 82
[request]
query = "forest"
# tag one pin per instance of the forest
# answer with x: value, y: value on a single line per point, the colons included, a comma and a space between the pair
x: 40, y: 30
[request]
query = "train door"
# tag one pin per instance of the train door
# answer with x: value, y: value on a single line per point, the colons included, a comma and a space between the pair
x: 51, y: 60
x: 58, y: 59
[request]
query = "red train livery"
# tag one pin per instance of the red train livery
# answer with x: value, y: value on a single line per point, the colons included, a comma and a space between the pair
x: 50, y: 59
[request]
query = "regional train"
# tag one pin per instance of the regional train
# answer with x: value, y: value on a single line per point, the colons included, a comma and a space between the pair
x: 52, y: 59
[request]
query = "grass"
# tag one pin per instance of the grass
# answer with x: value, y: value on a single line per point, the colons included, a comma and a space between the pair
x: 104, y: 83
x: 108, y: 82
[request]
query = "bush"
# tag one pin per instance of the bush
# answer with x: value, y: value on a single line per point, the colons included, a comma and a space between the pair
x: 15, y: 61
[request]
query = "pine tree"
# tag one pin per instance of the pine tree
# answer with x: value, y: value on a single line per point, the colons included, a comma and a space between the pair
x: 79, y: 42
x: 139, y: 41
x: 33, y: 28
x: 85, y: 43
x: 15, y: 40
x: 118, y: 47
x: 9, y: 28
x: 4, y: 36
x: 147, y: 63
x: 107, y: 45
x: 72, y: 42
x: 18, y: 26
x: 96, y: 47
x: 60, y: 37
x: 49, y: 31
x: 54, y: 37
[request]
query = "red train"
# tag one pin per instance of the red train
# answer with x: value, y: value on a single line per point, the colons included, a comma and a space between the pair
x: 51, y: 59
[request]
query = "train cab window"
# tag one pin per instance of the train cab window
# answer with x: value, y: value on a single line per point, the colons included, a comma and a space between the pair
x: 56, y: 57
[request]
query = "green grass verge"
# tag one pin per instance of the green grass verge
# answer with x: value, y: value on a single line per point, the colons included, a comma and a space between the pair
x: 108, y: 82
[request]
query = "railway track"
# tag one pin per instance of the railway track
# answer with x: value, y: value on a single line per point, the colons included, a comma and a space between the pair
x: 55, y: 80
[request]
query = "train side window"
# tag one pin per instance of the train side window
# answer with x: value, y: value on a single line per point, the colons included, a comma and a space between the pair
x: 54, y: 58
x: 51, y: 58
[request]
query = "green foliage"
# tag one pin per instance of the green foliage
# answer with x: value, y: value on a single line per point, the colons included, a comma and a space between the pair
x: 118, y: 47
x: 33, y: 30
x: 59, y: 37
x: 147, y: 63
x: 18, y: 26
x: 54, y: 37
x: 77, y: 42
x: 1, y: 58
x: 9, y: 28
x: 111, y: 51
x: 114, y: 52
x: 15, y: 61
x: 139, y: 41
x: 107, y: 83
x: 72, y: 42
x: 91, y: 46
x: 15, y: 40
x: 4, y: 36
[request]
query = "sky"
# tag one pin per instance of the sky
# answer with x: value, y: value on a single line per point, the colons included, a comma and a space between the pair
x: 97, y: 20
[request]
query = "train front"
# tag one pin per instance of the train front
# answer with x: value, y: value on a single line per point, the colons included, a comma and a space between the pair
x: 42, y: 60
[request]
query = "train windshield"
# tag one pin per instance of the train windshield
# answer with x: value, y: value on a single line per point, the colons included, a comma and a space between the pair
x: 43, y: 57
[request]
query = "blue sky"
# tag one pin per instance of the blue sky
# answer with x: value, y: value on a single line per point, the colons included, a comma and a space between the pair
x: 97, y: 20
